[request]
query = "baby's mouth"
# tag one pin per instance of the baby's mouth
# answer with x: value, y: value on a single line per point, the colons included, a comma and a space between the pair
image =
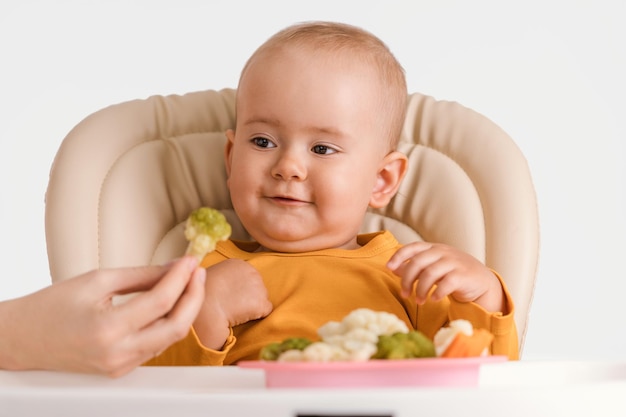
x: 287, y: 200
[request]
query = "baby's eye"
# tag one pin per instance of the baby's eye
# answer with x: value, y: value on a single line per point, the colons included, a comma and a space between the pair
x: 323, y: 150
x: 262, y: 142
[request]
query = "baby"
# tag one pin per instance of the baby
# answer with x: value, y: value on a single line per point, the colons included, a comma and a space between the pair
x: 320, y: 107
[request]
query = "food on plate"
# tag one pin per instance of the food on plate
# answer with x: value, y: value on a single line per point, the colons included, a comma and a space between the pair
x: 365, y: 334
x: 460, y: 340
x: 409, y: 345
x: 272, y: 351
x: 204, y: 228
x: 375, y: 322
x: 356, y: 337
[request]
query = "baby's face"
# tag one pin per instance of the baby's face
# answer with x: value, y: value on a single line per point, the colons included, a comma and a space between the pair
x: 304, y: 157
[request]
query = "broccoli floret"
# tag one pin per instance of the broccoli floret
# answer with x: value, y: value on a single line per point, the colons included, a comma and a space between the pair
x: 413, y: 344
x: 272, y: 351
x: 204, y: 228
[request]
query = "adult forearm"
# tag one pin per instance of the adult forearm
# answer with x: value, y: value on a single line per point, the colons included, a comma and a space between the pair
x: 13, y: 340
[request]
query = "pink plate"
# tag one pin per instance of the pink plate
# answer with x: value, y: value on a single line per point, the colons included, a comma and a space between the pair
x: 373, y: 373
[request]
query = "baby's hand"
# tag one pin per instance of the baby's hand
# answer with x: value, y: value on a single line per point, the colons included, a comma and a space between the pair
x: 422, y: 265
x: 234, y: 294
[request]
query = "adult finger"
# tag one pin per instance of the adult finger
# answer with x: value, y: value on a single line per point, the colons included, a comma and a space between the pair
x: 168, y: 329
x: 158, y: 301
x: 120, y: 281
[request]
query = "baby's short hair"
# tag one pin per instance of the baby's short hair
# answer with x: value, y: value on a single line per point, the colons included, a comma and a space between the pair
x: 341, y: 38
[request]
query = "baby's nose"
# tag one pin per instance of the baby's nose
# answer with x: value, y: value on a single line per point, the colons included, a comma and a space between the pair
x: 289, y: 167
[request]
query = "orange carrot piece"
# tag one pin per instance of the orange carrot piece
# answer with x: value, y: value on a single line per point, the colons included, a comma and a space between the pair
x: 464, y: 346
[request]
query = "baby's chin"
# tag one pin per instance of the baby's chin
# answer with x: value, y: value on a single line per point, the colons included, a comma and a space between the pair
x: 312, y: 244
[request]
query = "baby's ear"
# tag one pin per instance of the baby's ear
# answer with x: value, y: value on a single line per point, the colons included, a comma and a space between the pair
x: 391, y: 171
x: 228, y: 148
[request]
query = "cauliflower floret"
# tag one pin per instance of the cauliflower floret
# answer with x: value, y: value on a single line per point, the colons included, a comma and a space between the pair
x: 359, y: 344
x: 360, y: 318
x: 324, y: 352
x: 204, y: 228
x: 331, y: 328
x: 361, y: 335
x: 354, y: 336
x: 360, y: 350
x: 291, y: 355
x: 378, y: 322
x: 387, y: 323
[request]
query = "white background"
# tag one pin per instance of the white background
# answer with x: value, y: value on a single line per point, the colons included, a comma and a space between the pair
x: 550, y: 73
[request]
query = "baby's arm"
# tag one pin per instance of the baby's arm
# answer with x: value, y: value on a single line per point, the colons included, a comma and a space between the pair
x: 234, y: 294
x: 422, y: 265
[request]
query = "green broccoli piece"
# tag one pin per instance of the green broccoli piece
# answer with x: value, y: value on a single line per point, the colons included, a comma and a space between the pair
x: 413, y: 344
x: 204, y: 228
x: 272, y: 351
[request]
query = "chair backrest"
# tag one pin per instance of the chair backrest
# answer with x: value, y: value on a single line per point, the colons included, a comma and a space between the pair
x: 125, y: 179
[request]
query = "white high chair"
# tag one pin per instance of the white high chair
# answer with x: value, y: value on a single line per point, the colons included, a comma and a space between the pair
x: 125, y: 179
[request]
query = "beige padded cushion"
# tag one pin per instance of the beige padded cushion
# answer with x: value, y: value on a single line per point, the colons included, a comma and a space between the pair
x: 126, y: 178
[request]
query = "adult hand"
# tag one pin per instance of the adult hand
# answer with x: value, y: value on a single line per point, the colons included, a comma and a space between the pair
x: 75, y: 326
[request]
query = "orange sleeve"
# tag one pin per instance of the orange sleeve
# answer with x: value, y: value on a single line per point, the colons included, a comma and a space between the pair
x: 190, y: 352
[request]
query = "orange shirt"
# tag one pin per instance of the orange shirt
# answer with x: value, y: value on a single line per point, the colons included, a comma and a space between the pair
x: 309, y: 289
